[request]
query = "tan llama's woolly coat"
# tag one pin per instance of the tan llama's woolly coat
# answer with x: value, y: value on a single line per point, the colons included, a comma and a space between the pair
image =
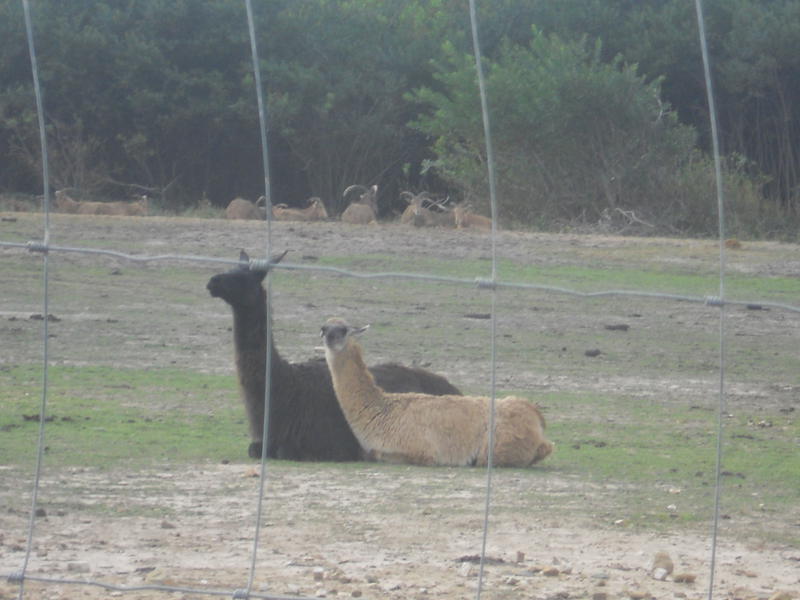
x: 425, y: 430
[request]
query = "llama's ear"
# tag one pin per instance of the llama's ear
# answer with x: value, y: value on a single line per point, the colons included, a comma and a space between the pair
x: 356, y: 331
x: 244, y: 257
x: 276, y: 258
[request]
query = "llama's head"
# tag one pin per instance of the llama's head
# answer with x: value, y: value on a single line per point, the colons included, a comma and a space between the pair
x: 241, y: 286
x: 337, y: 332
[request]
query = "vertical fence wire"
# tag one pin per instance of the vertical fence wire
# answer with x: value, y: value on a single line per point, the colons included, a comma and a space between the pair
x: 487, y: 134
x: 712, y: 113
x: 45, y: 302
x: 262, y: 123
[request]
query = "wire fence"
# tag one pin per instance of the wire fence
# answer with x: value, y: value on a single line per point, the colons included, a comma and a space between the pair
x: 492, y: 284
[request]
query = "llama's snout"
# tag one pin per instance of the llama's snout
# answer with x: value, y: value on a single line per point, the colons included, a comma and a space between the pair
x: 213, y: 286
x: 334, y: 332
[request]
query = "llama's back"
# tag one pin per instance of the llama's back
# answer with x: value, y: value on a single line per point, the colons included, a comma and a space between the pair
x: 394, y: 377
x: 426, y: 430
x: 306, y: 420
x: 519, y: 434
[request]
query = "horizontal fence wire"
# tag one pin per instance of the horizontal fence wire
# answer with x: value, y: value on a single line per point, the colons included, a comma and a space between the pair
x: 479, y: 282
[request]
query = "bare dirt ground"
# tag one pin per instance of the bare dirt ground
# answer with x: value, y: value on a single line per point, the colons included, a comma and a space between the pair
x: 369, y: 530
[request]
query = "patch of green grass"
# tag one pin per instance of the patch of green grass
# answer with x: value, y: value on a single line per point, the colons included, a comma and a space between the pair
x: 587, y: 278
x: 629, y: 458
x: 102, y: 417
x: 660, y: 454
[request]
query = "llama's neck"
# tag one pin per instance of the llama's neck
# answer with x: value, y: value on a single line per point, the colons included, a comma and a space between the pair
x: 250, y: 336
x: 361, y: 399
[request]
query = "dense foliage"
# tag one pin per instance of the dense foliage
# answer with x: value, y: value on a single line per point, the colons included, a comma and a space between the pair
x: 599, y: 107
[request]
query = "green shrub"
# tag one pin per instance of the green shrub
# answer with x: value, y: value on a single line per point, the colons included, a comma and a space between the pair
x: 577, y: 141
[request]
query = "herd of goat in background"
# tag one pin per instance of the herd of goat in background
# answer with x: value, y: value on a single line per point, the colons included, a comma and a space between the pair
x: 346, y: 411
x: 423, y: 210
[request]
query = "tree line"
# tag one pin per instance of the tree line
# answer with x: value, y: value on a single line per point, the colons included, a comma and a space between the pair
x: 598, y: 107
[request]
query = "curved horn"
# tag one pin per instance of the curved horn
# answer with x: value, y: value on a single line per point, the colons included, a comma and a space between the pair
x: 405, y: 193
x: 353, y: 187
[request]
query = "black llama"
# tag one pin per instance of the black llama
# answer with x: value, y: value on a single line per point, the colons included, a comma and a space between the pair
x: 305, y: 419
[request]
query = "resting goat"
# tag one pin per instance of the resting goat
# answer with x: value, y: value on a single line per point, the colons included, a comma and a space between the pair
x: 66, y: 204
x: 419, y: 215
x: 423, y: 430
x: 305, y: 421
x: 239, y: 208
x: 135, y: 208
x: 363, y: 210
x: 464, y: 218
x: 315, y: 211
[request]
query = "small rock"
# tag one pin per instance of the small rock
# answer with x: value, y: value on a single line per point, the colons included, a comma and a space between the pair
x: 599, y: 596
x: 167, y: 525
x: 659, y: 574
x: 684, y: 577
x: 319, y: 574
x: 355, y: 594
x: 742, y: 593
x: 536, y: 569
x: 638, y: 594
x: 781, y: 596
x: 466, y: 570
x: 78, y: 567
x: 551, y: 572
x: 391, y: 586
x: 592, y: 353
x: 661, y: 566
x: 40, y: 512
x: 520, y: 556
x: 747, y: 573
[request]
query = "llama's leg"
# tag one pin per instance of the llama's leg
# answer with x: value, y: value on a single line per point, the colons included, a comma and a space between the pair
x: 253, y: 396
x: 255, y: 449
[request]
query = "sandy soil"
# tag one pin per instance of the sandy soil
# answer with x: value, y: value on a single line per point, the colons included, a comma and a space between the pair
x: 367, y: 531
